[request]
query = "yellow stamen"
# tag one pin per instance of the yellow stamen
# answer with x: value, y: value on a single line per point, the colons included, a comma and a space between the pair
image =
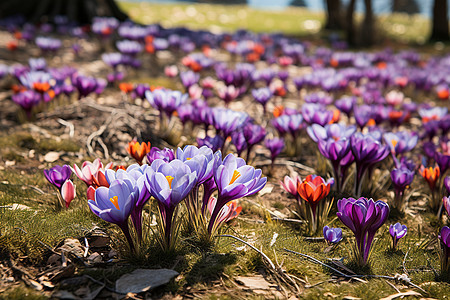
x: 188, y: 158
x: 235, y: 176
x: 115, y: 200
x: 394, y: 143
x: 169, y: 179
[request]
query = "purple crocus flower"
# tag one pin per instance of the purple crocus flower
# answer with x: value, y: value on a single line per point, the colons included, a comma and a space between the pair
x: 201, y: 160
x: 215, y: 143
x: 134, y: 174
x: 447, y: 184
x: 170, y: 183
x: 367, y: 152
x: 189, y: 78
x: 316, y: 114
x: 346, y: 104
x: 37, y: 64
x: 140, y: 90
x: 262, y: 96
x: 335, y: 151
x: 48, y: 43
x: 443, y: 161
x: 239, y: 142
x: 128, y: 47
x: 401, y: 178
x: 397, y: 231
x: 364, y: 217
x: 234, y: 179
x: 288, y: 123
x: 227, y: 120
x: 165, y: 154
x: 333, y: 131
x: 114, y: 204
x: 112, y: 59
x: 166, y: 101
x: 253, y: 134
x: 85, y: 85
x: 401, y: 142
x: 332, y: 235
x: 27, y: 100
x: 363, y: 114
x: 275, y: 146
x: 4, y: 70
x: 57, y: 175
x: 444, y: 238
x: 319, y: 98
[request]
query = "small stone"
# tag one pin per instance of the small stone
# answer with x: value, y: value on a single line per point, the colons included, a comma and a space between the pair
x: 142, y: 280
x: 61, y: 294
x: 72, y: 246
x: 10, y: 163
x: 254, y: 282
x: 51, y: 156
x: 94, y: 258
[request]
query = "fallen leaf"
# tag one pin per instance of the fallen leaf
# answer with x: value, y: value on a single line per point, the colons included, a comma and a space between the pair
x: 403, y: 294
x: 16, y: 206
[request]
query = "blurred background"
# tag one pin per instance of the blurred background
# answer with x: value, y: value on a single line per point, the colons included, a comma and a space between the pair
x: 357, y: 22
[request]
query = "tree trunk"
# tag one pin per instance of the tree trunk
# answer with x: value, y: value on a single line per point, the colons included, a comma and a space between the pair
x: 350, y: 26
x: 440, y: 29
x: 79, y: 11
x: 367, y: 32
x: 334, y: 20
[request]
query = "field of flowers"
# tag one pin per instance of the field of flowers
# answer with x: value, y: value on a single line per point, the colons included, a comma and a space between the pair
x: 146, y: 161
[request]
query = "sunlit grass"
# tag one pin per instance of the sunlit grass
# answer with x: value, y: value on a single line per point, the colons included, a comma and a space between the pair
x: 296, y: 21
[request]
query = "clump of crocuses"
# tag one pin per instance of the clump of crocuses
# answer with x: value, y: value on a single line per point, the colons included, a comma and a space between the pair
x: 363, y: 217
x: 59, y: 176
x: 397, y: 231
x: 315, y: 207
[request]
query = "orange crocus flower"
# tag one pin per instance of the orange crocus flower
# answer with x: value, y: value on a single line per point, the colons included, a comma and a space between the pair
x: 313, y: 189
x: 278, y: 111
x: 126, y: 87
x: 431, y: 175
x: 138, y: 151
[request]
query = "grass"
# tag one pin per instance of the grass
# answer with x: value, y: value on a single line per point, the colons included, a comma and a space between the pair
x: 295, y: 21
x: 24, y: 233
x: 201, y: 269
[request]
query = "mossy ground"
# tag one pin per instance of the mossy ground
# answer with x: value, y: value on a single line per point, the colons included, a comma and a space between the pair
x: 210, y: 272
x: 24, y: 233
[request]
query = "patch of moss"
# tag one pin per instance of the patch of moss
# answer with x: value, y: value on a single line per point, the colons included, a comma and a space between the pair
x: 22, y: 292
x: 12, y: 155
x: 46, y: 145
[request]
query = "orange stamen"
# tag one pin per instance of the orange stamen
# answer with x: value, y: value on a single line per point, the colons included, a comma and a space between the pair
x: 169, y: 180
x: 115, y: 200
x: 235, y: 176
